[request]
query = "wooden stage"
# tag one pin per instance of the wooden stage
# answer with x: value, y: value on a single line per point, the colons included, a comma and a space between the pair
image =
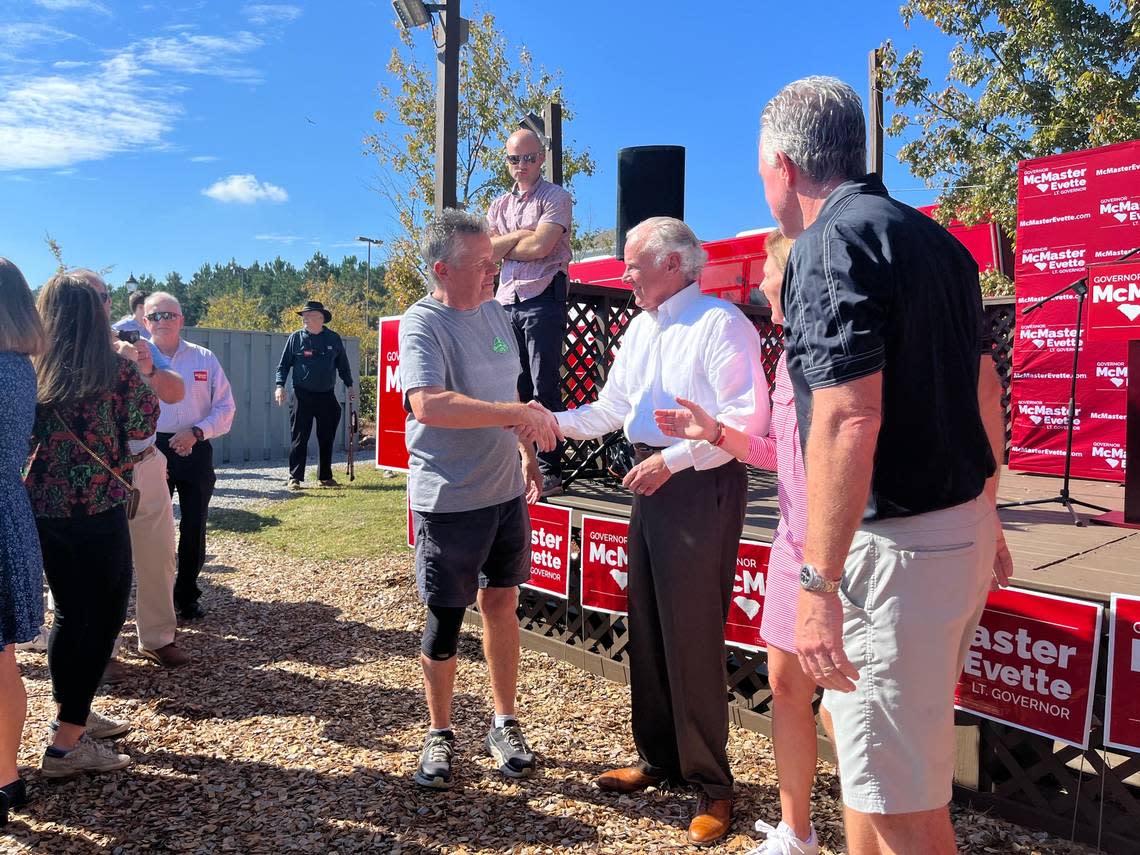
x: 1050, y: 554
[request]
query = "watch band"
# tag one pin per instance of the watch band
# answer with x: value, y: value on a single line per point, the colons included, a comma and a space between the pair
x: 198, y: 434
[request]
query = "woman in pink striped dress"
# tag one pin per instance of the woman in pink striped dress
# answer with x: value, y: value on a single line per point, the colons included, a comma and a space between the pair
x: 793, y: 721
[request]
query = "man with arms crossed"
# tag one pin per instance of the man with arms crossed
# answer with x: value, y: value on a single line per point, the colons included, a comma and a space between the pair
x: 152, y: 529
x: 898, y: 405
x: 530, y: 233
x: 688, y: 512
x: 184, y: 433
x: 459, y: 367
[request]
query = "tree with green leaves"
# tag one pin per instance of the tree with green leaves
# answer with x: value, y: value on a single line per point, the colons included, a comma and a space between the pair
x: 237, y: 310
x: 494, y: 82
x: 1027, y: 79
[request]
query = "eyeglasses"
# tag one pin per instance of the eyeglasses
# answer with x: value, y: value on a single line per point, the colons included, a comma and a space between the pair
x: 154, y: 317
x: 515, y: 159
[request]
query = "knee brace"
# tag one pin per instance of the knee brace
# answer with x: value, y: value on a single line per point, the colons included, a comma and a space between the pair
x: 441, y: 632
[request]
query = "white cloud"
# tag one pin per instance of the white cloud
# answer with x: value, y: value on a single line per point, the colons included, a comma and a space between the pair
x: 69, y: 5
x: 286, y: 239
x: 78, y: 112
x: 57, y: 121
x: 69, y: 64
x: 245, y: 190
x: 271, y: 13
x: 203, y: 158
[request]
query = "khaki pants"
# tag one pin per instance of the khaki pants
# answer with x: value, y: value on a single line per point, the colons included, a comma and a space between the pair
x: 152, y: 545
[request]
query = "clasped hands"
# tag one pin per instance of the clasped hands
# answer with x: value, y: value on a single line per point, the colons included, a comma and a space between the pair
x: 538, y: 426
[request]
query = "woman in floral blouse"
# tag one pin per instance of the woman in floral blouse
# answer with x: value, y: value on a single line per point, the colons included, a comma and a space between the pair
x: 87, y: 396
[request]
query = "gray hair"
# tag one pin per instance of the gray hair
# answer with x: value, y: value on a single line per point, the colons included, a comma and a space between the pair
x: 440, y: 238
x: 818, y: 123
x: 155, y: 296
x: 664, y: 235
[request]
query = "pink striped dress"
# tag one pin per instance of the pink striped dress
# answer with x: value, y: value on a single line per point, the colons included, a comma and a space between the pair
x: 780, y: 451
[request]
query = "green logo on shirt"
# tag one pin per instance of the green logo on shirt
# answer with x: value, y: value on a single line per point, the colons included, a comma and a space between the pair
x: 499, y: 346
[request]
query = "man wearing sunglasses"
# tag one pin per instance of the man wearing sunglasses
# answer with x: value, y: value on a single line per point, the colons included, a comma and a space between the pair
x: 184, y: 433
x: 530, y: 235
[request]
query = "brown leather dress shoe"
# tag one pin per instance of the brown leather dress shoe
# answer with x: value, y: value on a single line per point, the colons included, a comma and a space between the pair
x: 168, y: 656
x: 115, y: 672
x: 711, y: 823
x: 628, y: 779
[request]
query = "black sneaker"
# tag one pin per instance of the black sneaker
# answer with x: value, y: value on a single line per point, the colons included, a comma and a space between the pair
x: 507, y: 745
x: 551, y: 485
x: 435, y: 761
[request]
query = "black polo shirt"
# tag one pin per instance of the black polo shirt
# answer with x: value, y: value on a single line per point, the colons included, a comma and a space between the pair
x: 873, y: 285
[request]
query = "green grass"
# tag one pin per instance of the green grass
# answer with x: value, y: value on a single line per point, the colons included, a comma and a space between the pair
x: 364, y: 519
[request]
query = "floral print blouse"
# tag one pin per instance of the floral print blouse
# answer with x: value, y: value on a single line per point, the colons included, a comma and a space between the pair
x: 64, y: 480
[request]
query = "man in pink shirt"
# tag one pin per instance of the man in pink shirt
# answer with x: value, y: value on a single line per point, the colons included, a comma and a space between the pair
x: 530, y: 234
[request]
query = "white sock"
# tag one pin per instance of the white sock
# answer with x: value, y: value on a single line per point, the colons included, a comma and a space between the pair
x: 501, y: 720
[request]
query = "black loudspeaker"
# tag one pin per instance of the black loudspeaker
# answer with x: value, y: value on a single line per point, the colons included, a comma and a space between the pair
x: 651, y: 183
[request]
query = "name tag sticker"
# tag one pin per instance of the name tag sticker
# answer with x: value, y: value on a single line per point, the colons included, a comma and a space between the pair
x: 201, y: 376
x: 306, y: 353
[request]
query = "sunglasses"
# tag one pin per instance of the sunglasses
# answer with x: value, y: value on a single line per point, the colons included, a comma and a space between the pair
x: 154, y: 317
x: 516, y: 159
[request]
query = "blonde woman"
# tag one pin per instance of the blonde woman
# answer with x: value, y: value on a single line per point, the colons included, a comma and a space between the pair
x: 21, y: 567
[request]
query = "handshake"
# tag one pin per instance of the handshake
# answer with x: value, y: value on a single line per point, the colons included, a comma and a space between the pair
x: 538, y: 426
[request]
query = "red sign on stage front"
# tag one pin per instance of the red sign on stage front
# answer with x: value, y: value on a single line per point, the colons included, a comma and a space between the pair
x: 747, y: 605
x: 550, y: 550
x: 391, y: 450
x: 1114, y: 302
x: 1032, y: 664
x: 605, y: 564
x: 1122, y: 700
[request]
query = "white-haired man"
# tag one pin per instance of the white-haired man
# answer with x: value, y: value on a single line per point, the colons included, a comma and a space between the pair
x: 459, y: 367
x: 184, y: 433
x: 152, y: 528
x: 688, y: 512
x: 897, y: 399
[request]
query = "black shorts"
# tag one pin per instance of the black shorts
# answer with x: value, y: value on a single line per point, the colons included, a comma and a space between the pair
x: 459, y: 553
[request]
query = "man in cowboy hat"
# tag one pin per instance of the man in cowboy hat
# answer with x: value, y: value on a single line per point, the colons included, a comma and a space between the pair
x: 316, y: 355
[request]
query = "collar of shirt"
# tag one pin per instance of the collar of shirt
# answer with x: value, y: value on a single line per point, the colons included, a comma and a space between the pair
x: 869, y: 183
x: 524, y: 196
x: 674, y: 307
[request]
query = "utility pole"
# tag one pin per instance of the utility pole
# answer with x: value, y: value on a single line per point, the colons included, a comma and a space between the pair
x: 552, y: 122
x: 447, y: 107
x: 368, y: 290
x: 875, y: 112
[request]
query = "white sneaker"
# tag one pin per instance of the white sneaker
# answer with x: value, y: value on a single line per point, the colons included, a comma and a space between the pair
x: 781, y: 840
x: 38, y: 644
x: 87, y: 756
x: 100, y: 726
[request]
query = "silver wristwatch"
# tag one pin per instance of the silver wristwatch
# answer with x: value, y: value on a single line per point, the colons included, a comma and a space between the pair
x: 810, y: 580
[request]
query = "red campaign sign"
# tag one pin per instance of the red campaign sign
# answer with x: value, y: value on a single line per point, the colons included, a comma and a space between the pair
x: 747, y: 606
x: 1032, y: 664
x: 391, y: 449
x: 1122, y: 700
x: 1114, y: 302
x: 605, y: 564
x: 550, y: 550
x: 1075, y: 211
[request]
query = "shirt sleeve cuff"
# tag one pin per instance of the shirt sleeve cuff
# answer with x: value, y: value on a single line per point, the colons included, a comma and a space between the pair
x: 678, y: 457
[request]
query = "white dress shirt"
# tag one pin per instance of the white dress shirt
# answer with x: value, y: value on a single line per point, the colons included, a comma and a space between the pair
x: 208, y: 404
x: 692, y: 346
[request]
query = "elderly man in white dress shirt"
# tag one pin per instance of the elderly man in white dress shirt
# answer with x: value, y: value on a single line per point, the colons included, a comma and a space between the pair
x: 184, y: 433
x: 688, y: 511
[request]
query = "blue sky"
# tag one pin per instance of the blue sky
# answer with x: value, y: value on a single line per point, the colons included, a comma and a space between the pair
x: 160, y: 136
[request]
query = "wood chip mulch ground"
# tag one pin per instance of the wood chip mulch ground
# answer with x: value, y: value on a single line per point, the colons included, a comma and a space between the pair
x: 298, y: 725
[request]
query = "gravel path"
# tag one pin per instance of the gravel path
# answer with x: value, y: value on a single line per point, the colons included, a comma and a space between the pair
x: 297, y: 726
x: 243, y: 484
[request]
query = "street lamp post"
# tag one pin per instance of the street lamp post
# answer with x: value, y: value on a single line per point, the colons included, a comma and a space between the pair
x: 368, y: 285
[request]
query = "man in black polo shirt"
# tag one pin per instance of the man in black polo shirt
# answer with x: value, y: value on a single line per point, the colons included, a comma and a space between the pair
x: 316, y: 355
x: 898, y: 405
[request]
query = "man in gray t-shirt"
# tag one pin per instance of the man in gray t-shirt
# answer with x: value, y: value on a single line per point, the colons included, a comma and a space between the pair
x: 459, y: 367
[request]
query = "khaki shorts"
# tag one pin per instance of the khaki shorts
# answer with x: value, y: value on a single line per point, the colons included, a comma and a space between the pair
x: 913, y: 592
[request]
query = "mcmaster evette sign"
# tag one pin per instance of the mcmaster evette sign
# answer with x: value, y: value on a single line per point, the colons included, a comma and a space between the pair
x: 1076, y: 213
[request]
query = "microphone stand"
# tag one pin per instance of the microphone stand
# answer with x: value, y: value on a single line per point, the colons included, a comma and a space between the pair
x: 1080, y: 288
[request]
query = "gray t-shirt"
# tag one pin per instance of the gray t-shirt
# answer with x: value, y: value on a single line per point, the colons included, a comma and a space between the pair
x: 472, y: 352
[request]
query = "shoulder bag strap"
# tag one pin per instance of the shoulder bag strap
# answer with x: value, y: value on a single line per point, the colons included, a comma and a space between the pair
x: 94, y: 456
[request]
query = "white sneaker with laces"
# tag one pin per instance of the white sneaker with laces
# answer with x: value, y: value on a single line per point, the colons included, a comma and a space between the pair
x: 781, y: 840
x: 87, y: 756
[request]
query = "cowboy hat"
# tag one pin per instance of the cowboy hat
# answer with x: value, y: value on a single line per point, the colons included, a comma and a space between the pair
x: 316, y: 306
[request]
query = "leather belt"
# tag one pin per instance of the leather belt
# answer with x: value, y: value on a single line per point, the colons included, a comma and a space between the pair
x: 641, y: 451
x: 143, y: 455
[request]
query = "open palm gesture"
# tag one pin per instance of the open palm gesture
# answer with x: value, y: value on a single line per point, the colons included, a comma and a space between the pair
x: 692, y: 422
